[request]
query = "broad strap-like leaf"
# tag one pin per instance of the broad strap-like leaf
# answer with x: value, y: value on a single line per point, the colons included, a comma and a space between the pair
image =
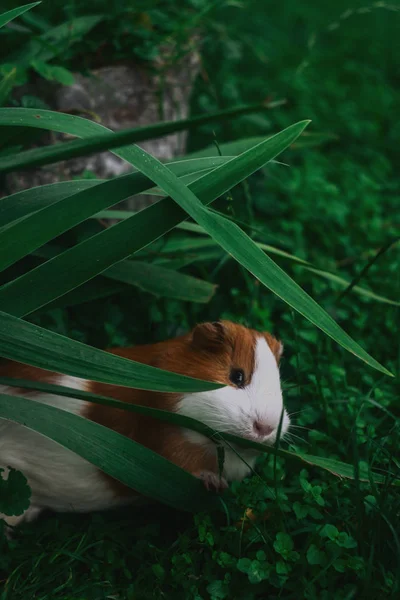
x: 161, y: 281
x: 33, y: 345
x: 101, y: 138
x: 21, y: 204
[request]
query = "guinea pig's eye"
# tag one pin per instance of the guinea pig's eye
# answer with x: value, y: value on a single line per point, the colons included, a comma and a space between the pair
x: 237, y: 377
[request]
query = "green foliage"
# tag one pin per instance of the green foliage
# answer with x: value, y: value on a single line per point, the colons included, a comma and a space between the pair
x: 285, y: 532
x: 156, y: 35
x: 39, y: 50
x: 257, y: 570
x: 14, y: 493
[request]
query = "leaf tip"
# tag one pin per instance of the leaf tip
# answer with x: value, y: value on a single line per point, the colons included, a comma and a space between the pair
x: 376, y: 365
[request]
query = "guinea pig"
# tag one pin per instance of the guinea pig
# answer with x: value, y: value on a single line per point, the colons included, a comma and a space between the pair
x: 249, y: 405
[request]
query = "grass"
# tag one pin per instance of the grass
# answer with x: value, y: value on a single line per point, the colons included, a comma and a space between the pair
x: 313, y: 536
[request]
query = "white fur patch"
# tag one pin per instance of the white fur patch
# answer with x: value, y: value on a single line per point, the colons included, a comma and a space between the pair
x: 59, y: 479
x: 234, y: 411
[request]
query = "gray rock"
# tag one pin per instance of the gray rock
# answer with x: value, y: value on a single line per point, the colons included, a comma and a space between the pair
x: 118, y: 97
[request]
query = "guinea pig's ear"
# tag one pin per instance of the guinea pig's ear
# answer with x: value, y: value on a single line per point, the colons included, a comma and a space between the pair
x: 209, y: 336
x: 275, y: 345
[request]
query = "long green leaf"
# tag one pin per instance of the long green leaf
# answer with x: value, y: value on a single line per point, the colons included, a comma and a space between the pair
x: 16, y: 12
x: 161, y: 281
x: 241, y: 145
x: 344, y: 283
x: 103, y: 138
x: 76, y: 265
x: 126, y: 214
x: 334, y: 466
x: 33, y: 345
x: 97, y: 288
x: 237, y: 243
x: 23, y: 203
x: 23, y: 236
x: 127, y: 461
x: 235, y: 147
x: 101, y: 287
x: 188, y: 259
x: 353, y: 284
x: 187, y: 180
x: 176, y: 246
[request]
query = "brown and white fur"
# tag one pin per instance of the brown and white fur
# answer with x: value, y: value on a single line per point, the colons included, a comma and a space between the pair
x: 62, y: 481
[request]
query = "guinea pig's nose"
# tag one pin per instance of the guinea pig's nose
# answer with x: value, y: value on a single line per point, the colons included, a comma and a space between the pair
x: 262, y: 429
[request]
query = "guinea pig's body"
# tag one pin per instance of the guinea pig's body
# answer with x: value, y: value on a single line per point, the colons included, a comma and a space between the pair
x: 249, y: 405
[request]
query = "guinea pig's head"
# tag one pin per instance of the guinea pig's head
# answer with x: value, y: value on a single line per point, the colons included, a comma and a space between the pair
x: 246, y: 362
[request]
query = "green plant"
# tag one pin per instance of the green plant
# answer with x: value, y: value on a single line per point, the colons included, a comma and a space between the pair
x: 55, y: 34
x: 291, y: 529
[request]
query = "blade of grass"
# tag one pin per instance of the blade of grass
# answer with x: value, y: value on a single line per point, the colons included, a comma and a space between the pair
x: 355, y: 288
x: 33, y: 345
x: 104, y: 140
x: 22, y: 203
x: 161, y: 281
x: 187, y: 259
x: 353, y: 284
x: 238, y: 146
x: 87, y: 292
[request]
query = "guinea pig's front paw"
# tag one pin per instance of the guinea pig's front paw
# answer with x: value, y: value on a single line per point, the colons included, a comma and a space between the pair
x: 212, y: 481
